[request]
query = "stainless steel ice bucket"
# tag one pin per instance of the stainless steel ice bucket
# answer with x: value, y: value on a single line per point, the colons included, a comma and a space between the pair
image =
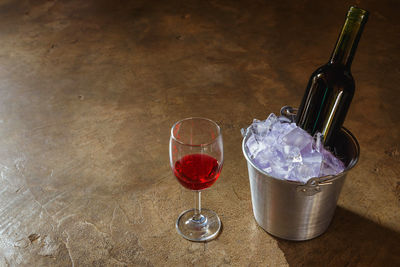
x: 295, y: 211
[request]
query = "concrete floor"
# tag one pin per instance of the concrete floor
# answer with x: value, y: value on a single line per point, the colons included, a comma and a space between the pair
x: 90, y: 89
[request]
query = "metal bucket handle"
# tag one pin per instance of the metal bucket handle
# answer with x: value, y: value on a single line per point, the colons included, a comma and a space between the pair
x: 313, y: 185
x: 289, y: 112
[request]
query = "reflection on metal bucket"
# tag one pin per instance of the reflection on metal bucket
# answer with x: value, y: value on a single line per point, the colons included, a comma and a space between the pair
x: 295, y: 211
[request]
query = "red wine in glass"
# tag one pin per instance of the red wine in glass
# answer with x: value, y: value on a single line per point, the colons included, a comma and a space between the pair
x: 197, y: 171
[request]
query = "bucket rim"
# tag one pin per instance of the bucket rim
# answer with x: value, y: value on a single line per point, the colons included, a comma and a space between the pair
x: 327, y: 178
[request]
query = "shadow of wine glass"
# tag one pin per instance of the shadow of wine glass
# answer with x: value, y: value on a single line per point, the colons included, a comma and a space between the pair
x: 350, y: 240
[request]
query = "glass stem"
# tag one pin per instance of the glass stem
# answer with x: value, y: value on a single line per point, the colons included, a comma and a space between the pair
x: 197, y: 209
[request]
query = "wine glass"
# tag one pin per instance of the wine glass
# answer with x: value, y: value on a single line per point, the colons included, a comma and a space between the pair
x: 196, y: 158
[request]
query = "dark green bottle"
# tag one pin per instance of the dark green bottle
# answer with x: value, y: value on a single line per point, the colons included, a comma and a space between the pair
x: 331, y: 87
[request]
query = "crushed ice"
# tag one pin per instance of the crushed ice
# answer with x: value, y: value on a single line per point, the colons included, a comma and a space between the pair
x: 285, y: 151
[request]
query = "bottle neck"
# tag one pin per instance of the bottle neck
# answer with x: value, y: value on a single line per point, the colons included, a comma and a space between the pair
x: 349, y: 37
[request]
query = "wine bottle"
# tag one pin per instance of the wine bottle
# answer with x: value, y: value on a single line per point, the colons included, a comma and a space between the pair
x: 331, y: 87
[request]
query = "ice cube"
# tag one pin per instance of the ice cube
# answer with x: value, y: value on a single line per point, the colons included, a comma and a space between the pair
x: 261, y: 128
x: 271, y: 120
x: 243, y: 132
x: 330, y: 164
x: 313, y: 158
x: 263, y: 159
x: 304, y: 172
x: 284, y: 119
x: 292, y: 153
x: 280, y: 171
x: 298, y: 138
x: 318, y: 142
x: 254, y: 146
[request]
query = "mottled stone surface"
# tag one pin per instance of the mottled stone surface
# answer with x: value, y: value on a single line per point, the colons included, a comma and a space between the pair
x: 90, y: 89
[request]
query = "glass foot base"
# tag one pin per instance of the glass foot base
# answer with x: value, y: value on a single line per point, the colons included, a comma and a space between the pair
x: 203, y: 228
